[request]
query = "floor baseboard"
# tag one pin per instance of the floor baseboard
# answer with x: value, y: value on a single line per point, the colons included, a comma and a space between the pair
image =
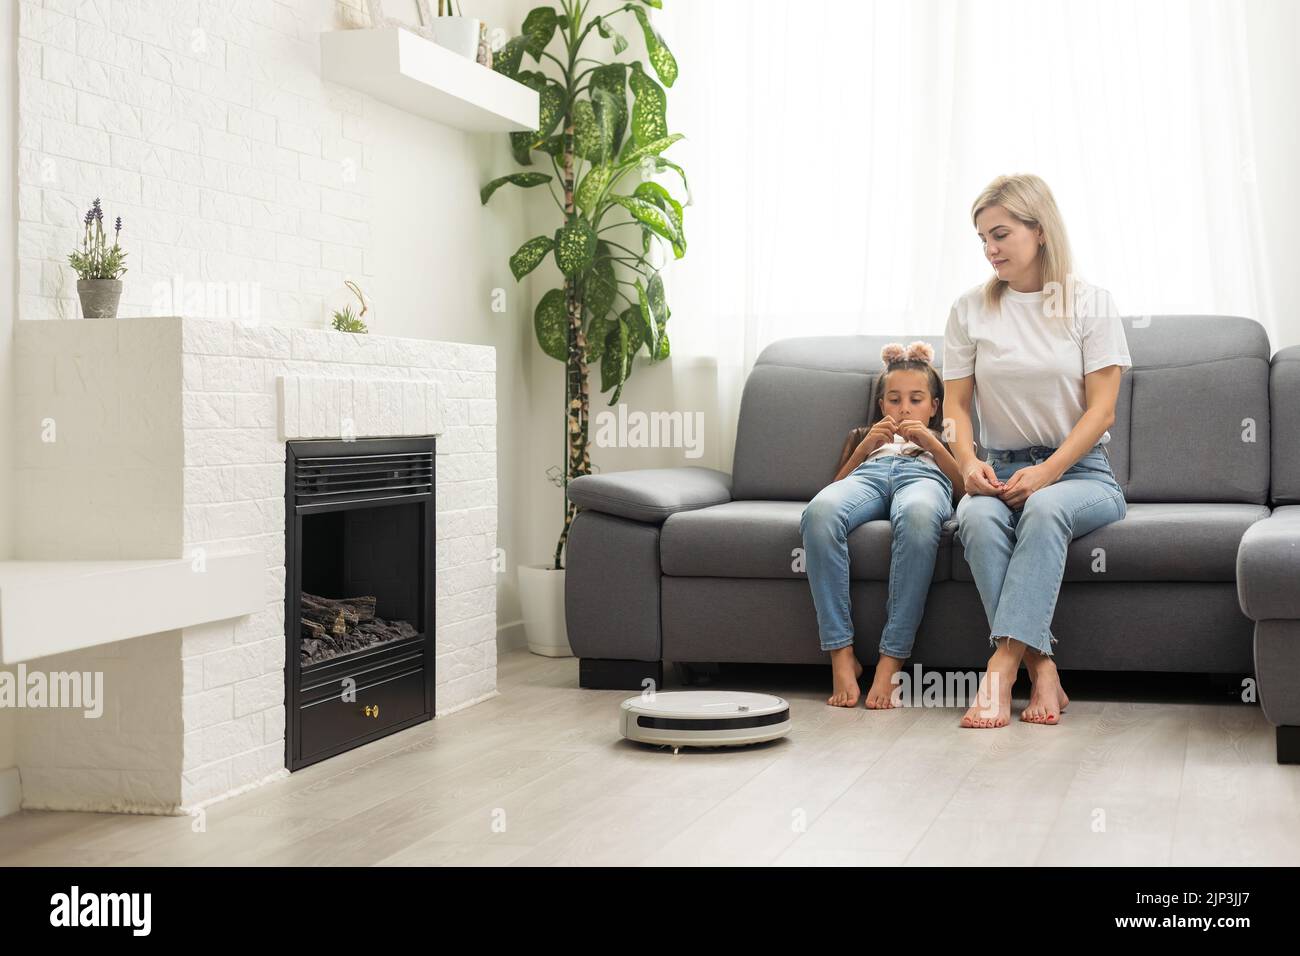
x: 11, y: 791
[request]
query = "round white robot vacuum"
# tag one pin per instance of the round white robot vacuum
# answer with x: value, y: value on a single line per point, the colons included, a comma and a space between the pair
x: 704, y: 718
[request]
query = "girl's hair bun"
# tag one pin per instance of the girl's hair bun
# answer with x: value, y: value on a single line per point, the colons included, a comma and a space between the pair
x: 916, y: 352
x: 922, y: 351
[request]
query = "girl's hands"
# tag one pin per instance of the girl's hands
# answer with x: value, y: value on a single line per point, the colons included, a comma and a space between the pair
x: 981, y: 479
x: 919, y: 434
x: 881, y: 433
x: 1024, y: 483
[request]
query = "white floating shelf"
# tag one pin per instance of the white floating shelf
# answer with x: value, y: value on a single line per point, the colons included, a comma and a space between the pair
x: 49, y: 607
x: 413, y: 74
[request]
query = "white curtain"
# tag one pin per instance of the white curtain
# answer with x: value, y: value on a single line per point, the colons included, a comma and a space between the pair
x: 834, y: 148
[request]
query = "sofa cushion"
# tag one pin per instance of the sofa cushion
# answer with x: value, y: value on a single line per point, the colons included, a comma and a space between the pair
x: 1156, y: 542
x: 761, y: 539
x: 1192, y: 422
x: 650, y: 494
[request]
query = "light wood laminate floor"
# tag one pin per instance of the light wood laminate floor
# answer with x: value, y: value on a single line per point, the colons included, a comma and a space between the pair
x: 539, y: 776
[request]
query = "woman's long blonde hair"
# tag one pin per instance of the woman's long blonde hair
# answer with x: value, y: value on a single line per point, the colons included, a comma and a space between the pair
x: 1027, y: 197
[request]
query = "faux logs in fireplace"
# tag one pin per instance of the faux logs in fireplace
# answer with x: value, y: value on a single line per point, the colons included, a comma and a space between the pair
x: 359, y: 592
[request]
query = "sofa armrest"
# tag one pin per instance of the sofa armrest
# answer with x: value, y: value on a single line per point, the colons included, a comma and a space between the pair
x: 651, y: 494
x: 1268, y: 567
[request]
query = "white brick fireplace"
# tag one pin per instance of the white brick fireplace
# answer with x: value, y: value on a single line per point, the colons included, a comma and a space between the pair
x: 164, y: 437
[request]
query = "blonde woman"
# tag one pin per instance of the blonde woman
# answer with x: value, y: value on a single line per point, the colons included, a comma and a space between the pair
x: 1041, y: 352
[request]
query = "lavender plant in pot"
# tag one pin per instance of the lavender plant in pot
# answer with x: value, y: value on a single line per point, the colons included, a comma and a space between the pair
x: 99, y: 266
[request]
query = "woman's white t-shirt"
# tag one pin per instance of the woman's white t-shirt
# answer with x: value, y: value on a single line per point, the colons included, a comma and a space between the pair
x: 1029, y: 365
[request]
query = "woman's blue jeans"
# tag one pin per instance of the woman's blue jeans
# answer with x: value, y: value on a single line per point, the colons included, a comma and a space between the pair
x: 1018, y: 556
x: 916, y: 497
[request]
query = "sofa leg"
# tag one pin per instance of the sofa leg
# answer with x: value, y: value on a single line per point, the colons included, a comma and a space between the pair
x: 1288, y: 744
x: 608, y: 674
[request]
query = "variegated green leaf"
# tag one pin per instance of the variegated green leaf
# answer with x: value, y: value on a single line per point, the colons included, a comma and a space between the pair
x: 658, y: 310
x: 650, y: 215
x: 661, y: 58
x: 632, y: 156
x: 662, y: 349
x: 654, y: 193
x: 586, y: 132
x: 612, y: 78
x: 529, y: 256
x: 661, y: 164
x: 599, y: 286
x: 597, y: 332
x: 590, y: 188
x: 550, y: 322
x: 550, y: 102
x: 575, y: 246
x: 539, y: 27
x: 646, y: 327
x: 506, y: 60
x: 522, y: 180
x: 608, y: 32
x: 521, y: 148
x: 636, y: 329
x: 649, y: 107
x: 613, y: 360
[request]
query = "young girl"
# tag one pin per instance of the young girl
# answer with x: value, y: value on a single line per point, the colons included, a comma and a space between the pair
x: 902, y: 471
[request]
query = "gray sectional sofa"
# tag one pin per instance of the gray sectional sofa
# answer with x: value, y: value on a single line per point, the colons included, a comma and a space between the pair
x: 693, y: 565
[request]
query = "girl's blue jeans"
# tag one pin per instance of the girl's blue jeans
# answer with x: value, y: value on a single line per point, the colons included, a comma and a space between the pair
x: 1017, y: 557
x: 916, y: 497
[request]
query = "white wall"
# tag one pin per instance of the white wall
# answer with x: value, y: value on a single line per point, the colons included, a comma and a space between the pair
x: 227, y: 157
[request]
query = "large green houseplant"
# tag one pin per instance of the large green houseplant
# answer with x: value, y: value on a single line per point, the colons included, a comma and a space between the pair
x: 604, y: 153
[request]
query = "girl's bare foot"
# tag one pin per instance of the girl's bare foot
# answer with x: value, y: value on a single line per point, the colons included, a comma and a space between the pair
x: 881, y: 694
x: 992, y: 707
x: 1047, y: 699
x: 845, y: 670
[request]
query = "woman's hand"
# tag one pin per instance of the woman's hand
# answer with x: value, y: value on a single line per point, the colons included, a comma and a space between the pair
x: 980, y: 479
x: 1017, y: 489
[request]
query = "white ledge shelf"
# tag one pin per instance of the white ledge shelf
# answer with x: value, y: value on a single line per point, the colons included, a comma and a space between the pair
x: 51, y: 607
x: 407, y: 71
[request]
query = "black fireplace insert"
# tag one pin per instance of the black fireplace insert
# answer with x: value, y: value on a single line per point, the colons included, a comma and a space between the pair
x: 359, y: 593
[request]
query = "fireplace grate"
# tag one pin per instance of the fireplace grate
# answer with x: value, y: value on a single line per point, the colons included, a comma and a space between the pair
x: 361, y: 477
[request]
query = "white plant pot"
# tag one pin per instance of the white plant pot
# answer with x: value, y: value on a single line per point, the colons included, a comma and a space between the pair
x: 457, y: 34
x: 541, y: 598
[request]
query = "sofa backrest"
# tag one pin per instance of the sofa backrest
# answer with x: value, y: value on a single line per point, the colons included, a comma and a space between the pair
x: 1284, y: 403
x: 1192, y: 421
x: 800, y: 400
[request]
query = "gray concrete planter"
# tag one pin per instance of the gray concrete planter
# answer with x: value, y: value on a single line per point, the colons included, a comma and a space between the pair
x: 99, y: 297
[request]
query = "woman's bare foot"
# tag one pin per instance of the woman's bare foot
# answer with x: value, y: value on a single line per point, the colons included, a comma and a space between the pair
x: 881, y: 694
x: 992, y: 707
x: 845, y: 670
x: 1047, y: 700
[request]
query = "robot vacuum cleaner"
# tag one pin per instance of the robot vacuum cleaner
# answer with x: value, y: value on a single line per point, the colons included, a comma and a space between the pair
x: 704, y: 718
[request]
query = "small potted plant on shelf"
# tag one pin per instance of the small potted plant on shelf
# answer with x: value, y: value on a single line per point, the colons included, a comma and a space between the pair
x: 99, y: 266
x: 345, y: 320
x: 455, y: 31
